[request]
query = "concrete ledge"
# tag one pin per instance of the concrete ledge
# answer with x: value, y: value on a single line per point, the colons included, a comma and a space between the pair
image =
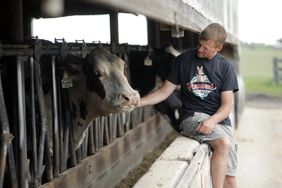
x: 185, y: 163
x: 163, y: 174
x: 182, y: 148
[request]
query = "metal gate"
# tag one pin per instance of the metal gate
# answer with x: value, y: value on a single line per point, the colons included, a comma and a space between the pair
x: 25, y: 159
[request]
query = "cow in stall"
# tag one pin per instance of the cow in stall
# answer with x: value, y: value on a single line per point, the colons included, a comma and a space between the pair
x: 99, y: 88
x: 156, y: 66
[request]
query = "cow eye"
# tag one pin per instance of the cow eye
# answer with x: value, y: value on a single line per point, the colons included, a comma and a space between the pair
x: 98, y: 73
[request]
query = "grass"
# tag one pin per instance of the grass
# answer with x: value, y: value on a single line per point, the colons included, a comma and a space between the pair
x: 257, y: 70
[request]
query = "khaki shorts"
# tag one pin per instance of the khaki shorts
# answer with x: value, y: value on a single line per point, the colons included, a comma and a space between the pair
x: 189, y: 125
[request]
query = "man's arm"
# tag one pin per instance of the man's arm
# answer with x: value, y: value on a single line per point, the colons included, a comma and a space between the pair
x: 158, y: 95
x: 224, y: 110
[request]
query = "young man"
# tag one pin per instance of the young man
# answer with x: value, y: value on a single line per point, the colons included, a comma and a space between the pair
x: 207, y: 82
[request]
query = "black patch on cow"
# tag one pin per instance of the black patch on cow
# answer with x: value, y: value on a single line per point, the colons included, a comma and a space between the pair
x: 83, y: 110
x: 74, y: 64
x: 164, y: 63
x: 79, y: 124
x: 144, y: 84
x: 74, y: 110
x: 93, y: 83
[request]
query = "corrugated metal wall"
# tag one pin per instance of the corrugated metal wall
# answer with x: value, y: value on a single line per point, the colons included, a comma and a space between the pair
x: 221, y: 11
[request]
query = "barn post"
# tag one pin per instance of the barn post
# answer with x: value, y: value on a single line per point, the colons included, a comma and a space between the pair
x: 153, y: 34
x: 15, y: 22
x: 114, y: 27
x: 275, y: 70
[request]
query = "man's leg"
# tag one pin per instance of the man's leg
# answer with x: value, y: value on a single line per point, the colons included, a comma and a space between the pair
x: 224, y: 159
x: 230, y: 182
x: 219, y: 159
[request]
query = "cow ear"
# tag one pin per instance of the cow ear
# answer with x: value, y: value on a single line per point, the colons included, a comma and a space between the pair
x: 74, y: 64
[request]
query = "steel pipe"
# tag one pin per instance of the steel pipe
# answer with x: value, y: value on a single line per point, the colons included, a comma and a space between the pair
x: 55, y: 112
x: 35, y: 175
x: 23, y: 179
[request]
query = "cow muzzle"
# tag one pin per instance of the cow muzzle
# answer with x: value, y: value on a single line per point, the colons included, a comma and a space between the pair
x: 129, y: 99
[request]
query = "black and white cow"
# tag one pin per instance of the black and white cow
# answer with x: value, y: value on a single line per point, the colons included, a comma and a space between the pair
x: 164, y: 60
x: 144, y: 73
x: 99, y: 87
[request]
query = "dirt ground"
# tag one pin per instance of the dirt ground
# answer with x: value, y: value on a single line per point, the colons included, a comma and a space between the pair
x: 259, y: 137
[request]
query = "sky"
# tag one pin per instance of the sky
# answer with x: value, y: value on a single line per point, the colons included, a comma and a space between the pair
x: 260, y: 21
x: 73, y: 28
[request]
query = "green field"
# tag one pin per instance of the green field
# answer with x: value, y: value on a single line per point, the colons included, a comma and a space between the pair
x: 257, y: 70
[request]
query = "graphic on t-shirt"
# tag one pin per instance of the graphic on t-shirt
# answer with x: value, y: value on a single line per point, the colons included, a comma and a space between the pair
x: 200, y: 84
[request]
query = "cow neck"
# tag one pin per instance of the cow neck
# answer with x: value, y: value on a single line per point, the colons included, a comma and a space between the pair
x: 80, y: 104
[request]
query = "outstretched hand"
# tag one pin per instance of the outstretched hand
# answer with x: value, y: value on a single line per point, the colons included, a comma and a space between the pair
x: 139, y: 104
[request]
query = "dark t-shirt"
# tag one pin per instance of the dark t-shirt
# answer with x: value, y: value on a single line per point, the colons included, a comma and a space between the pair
x: 202, y: 81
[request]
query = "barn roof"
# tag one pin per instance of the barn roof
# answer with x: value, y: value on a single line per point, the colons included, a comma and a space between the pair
x: 186, y: 14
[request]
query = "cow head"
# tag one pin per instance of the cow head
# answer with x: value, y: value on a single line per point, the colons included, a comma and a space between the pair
x: 99, y: 88
x: 105, y: 77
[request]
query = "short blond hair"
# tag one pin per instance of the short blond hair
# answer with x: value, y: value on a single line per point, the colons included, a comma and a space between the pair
x: 214, y: 32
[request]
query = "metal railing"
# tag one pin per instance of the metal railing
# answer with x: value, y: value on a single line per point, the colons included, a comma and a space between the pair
x: 34, y: 164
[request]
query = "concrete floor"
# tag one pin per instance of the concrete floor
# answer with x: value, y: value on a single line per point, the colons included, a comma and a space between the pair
x: 259, y: 138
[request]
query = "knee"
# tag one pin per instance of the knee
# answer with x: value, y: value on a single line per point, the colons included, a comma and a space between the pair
x: 221, y: 145
x: 229, y: 182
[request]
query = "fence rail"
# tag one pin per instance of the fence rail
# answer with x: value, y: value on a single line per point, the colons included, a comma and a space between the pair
x: 277, y: 70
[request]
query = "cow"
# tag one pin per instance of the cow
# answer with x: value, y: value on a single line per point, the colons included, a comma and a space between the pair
x: 156, y: 72
x: 164, y: 60
x: 98, y: 88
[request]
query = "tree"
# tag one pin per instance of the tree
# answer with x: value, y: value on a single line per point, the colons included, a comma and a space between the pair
x: 279, y: 41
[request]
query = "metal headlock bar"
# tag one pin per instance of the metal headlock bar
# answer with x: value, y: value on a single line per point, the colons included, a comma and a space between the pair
x: 42, y: 168
x: 39, y: 47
